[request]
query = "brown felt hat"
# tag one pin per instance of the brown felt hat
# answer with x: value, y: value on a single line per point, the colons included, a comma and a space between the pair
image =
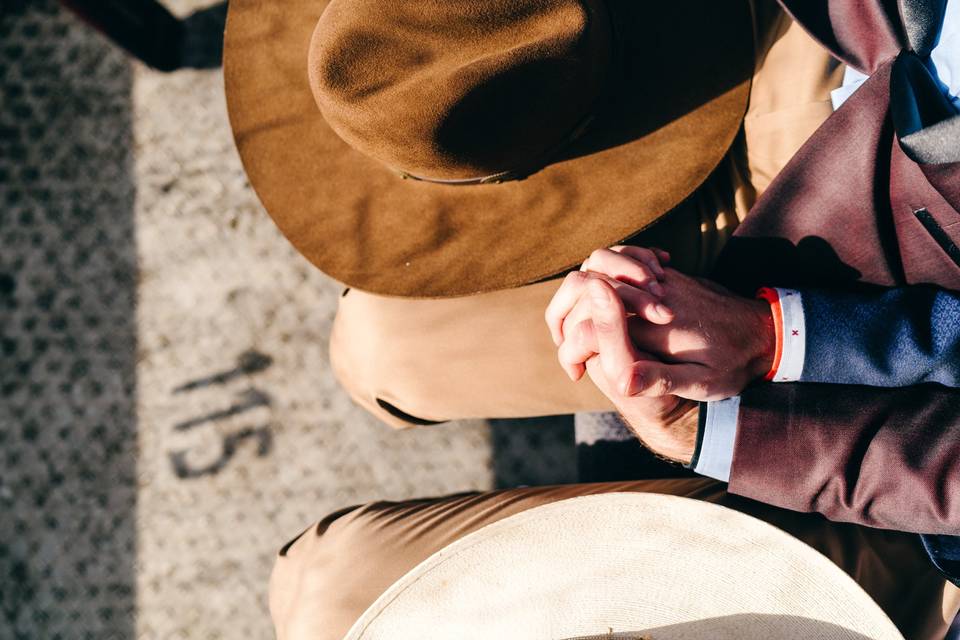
x: 445, y: 147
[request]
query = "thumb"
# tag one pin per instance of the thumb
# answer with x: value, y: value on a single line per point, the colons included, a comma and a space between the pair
x: 653, y: 378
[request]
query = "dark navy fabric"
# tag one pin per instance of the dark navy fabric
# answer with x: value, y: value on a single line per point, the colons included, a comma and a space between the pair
x: 894, y: 338
x: 944, y: 551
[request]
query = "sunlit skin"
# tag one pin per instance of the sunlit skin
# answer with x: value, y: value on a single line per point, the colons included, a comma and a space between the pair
x: 656, y: 341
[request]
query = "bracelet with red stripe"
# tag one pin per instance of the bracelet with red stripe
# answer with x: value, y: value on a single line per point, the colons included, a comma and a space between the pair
x: 772, y: 297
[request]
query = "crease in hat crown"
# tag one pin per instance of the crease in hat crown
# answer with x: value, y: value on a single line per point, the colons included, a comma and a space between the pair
x: 459, y: 90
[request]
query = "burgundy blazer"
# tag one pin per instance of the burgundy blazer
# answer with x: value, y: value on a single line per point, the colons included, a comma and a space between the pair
x: 872, y: 199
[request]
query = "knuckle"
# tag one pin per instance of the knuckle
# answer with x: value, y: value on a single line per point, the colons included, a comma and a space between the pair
x: 665, y: 384
x: 604, y: 325
x: 574, y: 277
x: 596, y: 254
x: 583, y: 332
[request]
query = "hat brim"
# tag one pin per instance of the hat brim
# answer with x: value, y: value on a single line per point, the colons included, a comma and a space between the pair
x: 632, y: 564
x: 688, y: 68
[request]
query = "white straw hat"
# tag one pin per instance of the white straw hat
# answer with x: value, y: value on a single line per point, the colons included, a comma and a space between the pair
x: 626, y: 565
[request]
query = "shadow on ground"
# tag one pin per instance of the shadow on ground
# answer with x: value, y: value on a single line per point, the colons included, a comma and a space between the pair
x: 68, y: 276
x: 533, y: 451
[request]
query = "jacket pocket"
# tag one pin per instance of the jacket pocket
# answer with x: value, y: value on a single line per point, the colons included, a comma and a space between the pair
x: 938, y: 233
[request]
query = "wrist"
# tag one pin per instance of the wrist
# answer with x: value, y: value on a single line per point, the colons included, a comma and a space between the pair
x: 679, y: 440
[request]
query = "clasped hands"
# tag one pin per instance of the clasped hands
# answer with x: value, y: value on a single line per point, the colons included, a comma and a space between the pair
x: 656, y: 341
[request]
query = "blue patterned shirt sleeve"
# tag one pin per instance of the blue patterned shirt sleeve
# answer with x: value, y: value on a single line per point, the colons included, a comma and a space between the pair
x: 894, y: 338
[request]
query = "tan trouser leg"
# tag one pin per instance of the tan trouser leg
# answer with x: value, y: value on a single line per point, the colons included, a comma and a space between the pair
x: 328, y: 576
x: 432, y: 360
x: 485, y: 356
x: 490, y: 356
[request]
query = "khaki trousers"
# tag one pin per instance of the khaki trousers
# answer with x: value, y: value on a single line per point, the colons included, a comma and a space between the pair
x: 327, y: 577
x: 413, y: 362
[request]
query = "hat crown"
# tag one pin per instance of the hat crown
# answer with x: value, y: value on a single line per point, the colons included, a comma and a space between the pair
x: 459, y: 89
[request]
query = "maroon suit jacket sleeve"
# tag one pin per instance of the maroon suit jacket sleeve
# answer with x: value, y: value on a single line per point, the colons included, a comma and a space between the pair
x: 887, y: 458
x: 870, y: 198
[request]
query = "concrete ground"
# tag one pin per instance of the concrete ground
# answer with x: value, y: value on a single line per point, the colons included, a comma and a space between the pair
x: 168, y: 417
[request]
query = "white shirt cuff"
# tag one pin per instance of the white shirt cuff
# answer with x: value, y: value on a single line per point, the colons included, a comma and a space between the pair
x: 794, y: 336
x: 719, y: 436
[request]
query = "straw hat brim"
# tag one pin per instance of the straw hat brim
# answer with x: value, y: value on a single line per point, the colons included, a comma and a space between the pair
x: 630, y: 564
x: 688, y: 69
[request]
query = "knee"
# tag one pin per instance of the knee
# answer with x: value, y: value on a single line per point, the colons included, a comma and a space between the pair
x: 291, y: 577
x: 364, y: 360
x: 299, y: 598
x: 308, y: 581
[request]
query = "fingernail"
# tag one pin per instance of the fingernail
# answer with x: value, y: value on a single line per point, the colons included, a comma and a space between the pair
x: 632, y: 385
x: 657, y: 289
x: 663, y: 311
